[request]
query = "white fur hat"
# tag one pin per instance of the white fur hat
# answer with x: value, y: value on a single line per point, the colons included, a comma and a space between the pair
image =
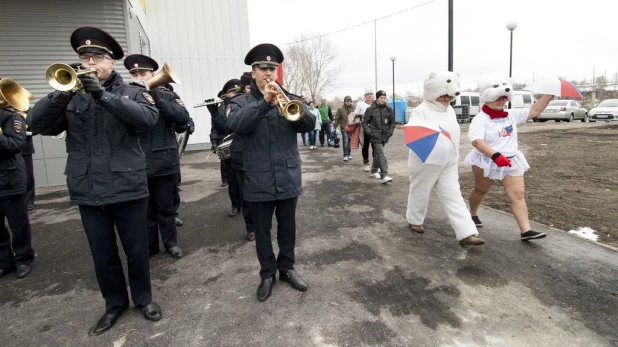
x: 441, y: 83
x: 492, y: 90
x: 368, y: 90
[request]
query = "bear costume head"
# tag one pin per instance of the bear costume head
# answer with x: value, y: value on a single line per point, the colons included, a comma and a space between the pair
x: 492, y: 90
x: 440, y: 83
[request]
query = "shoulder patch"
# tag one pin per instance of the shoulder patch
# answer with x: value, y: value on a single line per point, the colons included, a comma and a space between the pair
x: 18, y: 126
x: 148, y: 97
x: 179, y: 102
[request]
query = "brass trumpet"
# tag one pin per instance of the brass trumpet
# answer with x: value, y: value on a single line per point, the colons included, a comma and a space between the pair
x: 15, y: 96
x: 291, y: 110
x: 64, y: 78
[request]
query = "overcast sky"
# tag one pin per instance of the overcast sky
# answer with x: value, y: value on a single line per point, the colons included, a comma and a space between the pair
x: 553, y: 38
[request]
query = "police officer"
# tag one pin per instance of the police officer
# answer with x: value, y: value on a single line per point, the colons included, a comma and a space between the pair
x: 106, y: 169
x: 27, y: 153
x: 271, y: 162
x: 16, y: 252
x: 162, y: 160
x: 189, y: 128
x: 245, y: 82
x: 229, y: 90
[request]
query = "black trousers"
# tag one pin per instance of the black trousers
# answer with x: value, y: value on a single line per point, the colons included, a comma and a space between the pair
x: 365, y: 149
x: 162, y: 211
x: 177, y: 194
x: 30, y: 180
x: 129, y: 218
x: 18, y: 249
x: 325, y: 133
x: 233, y: 188
x: 224, y: 178
x: 246, y: 210
x: 285, y: 211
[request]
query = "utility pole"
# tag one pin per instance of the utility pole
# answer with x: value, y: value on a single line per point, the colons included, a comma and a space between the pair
x: 450, y: 35
x: 375, y: 48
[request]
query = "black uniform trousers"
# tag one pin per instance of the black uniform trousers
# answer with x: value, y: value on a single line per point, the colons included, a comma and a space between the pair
x: 285, y: 211
x: 130, y: 220
x: 233, y: 187
x: 365, y: 149
x: 17, y: 251
x: 30, y: 180
x: 177, y: 177
x: 246, y: 210
x: 161, y: 211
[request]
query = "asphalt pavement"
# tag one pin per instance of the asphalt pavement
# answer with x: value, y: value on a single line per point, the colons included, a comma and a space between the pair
x: 372, y: 282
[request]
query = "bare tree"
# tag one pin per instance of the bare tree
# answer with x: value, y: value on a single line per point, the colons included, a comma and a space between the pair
x: 413, y: 99
x: 310, y: 67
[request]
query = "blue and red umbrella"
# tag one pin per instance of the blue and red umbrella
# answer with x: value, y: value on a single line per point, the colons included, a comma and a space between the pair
x: 430, y: 142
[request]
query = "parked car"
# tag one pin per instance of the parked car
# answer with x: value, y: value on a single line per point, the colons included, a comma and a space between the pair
x: 566, y: 110
x: 522, y: 99
x: 468, y: 98
x: 606, y: 110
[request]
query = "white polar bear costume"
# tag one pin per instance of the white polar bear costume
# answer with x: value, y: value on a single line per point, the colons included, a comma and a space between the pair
x: 443, y: 178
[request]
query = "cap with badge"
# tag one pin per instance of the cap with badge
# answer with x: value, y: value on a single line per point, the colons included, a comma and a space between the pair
x: 95, y: 40
x: 246, y: 78
x: 265, y: 55
x: 229, y: 86
x: 140, y: 62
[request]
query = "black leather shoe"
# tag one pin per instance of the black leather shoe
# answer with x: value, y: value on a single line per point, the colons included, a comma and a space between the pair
x: 152, y: 312
x: 223, y: 184
x: 175, y: 252
x: 233, y: 212
x: 294, y: 279
x: 266, y: 288
x: 6, y: 271
x: 250, y: 236
x: 178, y: 222
x: 105, y: 323
x: 22, y: 271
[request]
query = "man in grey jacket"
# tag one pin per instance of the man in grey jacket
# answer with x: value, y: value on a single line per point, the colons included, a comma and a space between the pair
x: 379, y: 125
x: 271, y: 162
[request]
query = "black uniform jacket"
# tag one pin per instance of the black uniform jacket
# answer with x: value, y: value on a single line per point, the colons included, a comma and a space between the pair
x: 221, y: 126
x: 12, y: 165
x: 159, y: 142
x: 271, y: 160
x: 105, y: 163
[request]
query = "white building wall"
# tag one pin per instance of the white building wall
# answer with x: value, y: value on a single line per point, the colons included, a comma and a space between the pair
x: 205, y: 42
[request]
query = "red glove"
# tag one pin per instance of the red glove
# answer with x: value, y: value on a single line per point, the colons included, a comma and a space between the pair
x: 500, y: 160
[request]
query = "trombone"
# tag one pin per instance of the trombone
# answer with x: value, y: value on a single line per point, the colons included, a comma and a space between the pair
x: 64, y: 78
x: 291, y: 110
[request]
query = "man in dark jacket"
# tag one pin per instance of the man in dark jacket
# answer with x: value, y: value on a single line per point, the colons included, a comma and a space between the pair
x: 106, y: 169
x: 217, y: 111
x: 271, y: 161
x: 341, y: 120
x: 27, y: 153
x: 379, y: 124
x: 162, y: 161
x: 15, y: 252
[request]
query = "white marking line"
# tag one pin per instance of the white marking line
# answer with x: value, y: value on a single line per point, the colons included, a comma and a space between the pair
x: 120, y: 342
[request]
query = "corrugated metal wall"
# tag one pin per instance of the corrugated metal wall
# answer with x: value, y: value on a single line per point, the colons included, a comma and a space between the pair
x: 205, y: 42
x: 35, y: 34
x: 139, y: 42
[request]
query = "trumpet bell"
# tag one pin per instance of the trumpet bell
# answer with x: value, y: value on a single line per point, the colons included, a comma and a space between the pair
x: 166, y: 75
x: 61, y: 77
x: 293, y: 111
x: 13, y: 95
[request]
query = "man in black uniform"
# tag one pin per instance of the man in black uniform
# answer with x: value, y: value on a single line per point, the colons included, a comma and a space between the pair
x: 27, y: 153
x: 106, y: 169
x: 15, y: 253
x: 162, y: 161
x: 189, y: 128
x: 217, y: 112
x: 272, y: 181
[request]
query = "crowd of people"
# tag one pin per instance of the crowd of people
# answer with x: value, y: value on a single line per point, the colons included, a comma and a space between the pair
x: 123, y: 167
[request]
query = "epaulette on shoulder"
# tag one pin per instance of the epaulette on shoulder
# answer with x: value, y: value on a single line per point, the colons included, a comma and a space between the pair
x: 135, y: 85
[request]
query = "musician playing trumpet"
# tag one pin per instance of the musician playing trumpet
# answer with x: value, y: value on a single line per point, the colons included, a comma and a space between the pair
x: 272, y: 167
x: 106, y: 169
x: 162, y: 159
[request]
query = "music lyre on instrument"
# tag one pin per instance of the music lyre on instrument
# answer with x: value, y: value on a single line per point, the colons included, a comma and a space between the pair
x: 291, y: 110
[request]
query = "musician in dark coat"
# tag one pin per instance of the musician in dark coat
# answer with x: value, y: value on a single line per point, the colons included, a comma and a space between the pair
x: 106, y: 169
x: 272, y: 181
x: 162, y: 161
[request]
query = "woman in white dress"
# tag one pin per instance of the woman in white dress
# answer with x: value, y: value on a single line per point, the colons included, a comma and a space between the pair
x: 496, y: 156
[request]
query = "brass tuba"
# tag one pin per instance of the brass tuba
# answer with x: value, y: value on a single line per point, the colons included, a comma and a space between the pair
x: 166, y: 75
x: 63, y: 77
x: 291, y: 110
x: 15, y: 96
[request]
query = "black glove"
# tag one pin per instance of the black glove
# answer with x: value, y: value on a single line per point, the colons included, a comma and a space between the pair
x: 91, y: 85
x: 190, y: 127
x: 213, y: 109
x: 156, y: 95
x: 213, y: 147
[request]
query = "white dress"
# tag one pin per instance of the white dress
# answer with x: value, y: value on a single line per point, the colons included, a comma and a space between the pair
x: 443, y: 179
x: 501, y: 135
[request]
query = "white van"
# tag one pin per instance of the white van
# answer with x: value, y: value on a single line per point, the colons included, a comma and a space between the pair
x: 468, y: 98
x: 522, y: 99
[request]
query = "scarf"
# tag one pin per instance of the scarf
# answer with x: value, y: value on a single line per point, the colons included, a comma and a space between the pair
x: 493, y: 114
